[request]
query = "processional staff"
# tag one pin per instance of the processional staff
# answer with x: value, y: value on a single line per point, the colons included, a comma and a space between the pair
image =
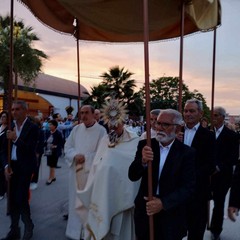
x: 146, y: 62
x: 9, y: 101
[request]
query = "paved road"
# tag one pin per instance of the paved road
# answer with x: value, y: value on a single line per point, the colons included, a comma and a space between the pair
x: 49, y: 203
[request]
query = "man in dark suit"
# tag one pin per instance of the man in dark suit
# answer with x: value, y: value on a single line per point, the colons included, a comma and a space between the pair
x: 24, y: 138
x: 227, y: 147
x: 234, y: 199
x: 173, y: 180
x: 203, y: 141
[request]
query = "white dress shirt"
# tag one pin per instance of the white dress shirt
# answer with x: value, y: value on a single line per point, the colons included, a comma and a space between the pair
x: 18, y: 132
x: 164, y: 150
x: 189, y: 134
x: 218, y: 131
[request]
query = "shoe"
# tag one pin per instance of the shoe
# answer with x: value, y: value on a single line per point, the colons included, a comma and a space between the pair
x: 14, y: 234
x: 50, y: 181
x: 215, y: 236
x: 28, y: 233
x: 58, y: 166
x: 33, y: 186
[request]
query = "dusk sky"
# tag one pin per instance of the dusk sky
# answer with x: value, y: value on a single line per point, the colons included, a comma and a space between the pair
x: 96, y: 58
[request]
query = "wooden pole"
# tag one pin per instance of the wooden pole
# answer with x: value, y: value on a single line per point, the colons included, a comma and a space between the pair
x: 10, y: 90
x: 212, y: 105
x: 78, y: 69
x: 147, y: 91
x: 181, y: 59
x: 213, y: 72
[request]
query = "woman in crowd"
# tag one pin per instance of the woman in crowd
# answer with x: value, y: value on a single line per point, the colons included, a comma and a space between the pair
x: 53, y: 150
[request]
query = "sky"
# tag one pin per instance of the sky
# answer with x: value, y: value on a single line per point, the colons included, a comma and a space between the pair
x: 97, y: 58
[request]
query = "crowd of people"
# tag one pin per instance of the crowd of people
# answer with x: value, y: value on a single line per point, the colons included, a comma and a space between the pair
x: 109, y: 161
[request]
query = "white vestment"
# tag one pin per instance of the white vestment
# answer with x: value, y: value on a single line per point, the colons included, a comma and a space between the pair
x: 84, y: 141
x: 109, y: 195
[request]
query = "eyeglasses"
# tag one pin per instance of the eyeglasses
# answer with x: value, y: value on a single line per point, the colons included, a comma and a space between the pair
x: 165, y: 125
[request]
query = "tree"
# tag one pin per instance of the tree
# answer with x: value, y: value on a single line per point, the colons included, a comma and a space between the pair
x: 27, y: 61
x: 118, y: 81
x: 136, y: 105
x: 164, y: 94
x: 97, y: 96
x: 115, y: 83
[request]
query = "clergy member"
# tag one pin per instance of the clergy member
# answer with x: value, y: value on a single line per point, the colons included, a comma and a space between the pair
x: 109, y: 194
x: 80, y: 149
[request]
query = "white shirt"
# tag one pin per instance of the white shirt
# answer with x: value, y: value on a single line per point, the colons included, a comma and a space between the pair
x: 163, y: 156
x: 189, y: 134
x: 218, y: 131
x: 18, y: 132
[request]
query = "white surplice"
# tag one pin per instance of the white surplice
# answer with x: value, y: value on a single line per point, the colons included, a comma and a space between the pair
x: 109, y: 194
x: 82, y: 140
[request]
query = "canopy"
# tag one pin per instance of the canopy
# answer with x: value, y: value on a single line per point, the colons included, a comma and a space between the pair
x: 122, y: 20
x: 129, y: 21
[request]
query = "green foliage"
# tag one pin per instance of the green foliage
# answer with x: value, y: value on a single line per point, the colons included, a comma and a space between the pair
x: 97, y: 97
x: 116, y: 82
x: 27, y: 61
x: 164, y: 94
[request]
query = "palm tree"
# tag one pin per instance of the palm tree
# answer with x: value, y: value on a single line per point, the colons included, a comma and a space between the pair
x: 118, y: 82
x: 27, y: 61
x: 97, y: 96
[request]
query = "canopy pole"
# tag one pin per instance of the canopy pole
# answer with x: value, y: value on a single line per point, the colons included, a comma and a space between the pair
x: 147, y: 91
x: 78, y: 69
x: 181, y: 58
x: 212, y: 105
x: 213, y: 72
x: 9, y: 100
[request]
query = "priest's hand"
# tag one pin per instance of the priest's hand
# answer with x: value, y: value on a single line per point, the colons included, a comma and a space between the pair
x: 79, y: 159
x: 153, y: 206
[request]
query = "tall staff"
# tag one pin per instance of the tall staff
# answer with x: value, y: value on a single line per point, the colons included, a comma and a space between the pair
x: 180, y: 84
x: 10, y: 89
x: 213, y: 71
x: 78, y: 67
x: 146, y: 62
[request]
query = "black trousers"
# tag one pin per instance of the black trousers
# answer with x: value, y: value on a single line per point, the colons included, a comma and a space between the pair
x: 19, y: 194
x: 197, y: 215
x: 36, y: 171
x: 2, y: 182
x: 165, y: 228
x: 220, y: 187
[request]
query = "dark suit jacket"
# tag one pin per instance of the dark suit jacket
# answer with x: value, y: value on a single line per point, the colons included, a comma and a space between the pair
x: 204, y: 144
x: 227, y: 151
x: 3, y: 147
x: 234, y: 199
x: 176, y: 185
x: 26, y: 148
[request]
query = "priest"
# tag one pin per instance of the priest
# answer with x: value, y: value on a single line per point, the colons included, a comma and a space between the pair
x: 80, y: 149
x: 109, y: 195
